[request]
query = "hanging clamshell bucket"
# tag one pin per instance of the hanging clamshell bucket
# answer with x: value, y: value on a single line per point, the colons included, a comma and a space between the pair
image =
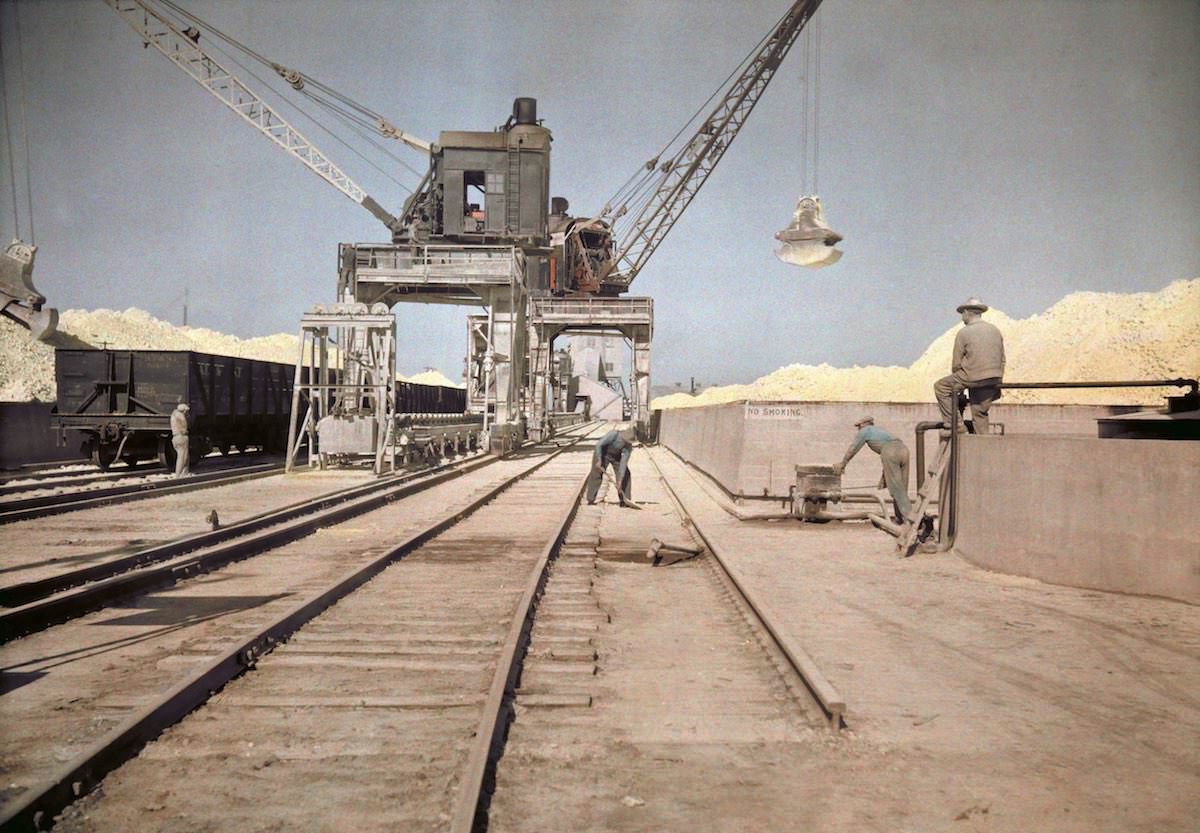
x: 808, y: 241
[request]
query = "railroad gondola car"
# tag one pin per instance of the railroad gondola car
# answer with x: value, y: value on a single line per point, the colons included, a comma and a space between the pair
x: 414, y: 398
x: 121, y: 402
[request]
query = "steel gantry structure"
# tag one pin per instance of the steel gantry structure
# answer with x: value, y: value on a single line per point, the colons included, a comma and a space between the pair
x: 480, y: 228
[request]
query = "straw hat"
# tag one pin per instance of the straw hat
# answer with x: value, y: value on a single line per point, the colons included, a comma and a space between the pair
x: 973, y: 303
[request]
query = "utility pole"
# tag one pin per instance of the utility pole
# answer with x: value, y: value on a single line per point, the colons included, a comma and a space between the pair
x: 185, y: 300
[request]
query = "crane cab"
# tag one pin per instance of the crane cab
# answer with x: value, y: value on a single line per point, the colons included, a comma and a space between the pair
x: 486, y: 187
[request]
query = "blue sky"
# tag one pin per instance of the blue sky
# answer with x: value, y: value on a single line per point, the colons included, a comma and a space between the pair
x: 1016, y: 150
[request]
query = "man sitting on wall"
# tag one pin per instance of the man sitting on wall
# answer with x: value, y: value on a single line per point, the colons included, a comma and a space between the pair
x: 614, y: 449
x: 977, y: 366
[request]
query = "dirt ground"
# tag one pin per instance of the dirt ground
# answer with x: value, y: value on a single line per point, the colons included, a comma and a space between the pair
x: 363, y: 720
x: 976, y: 701
x: 40, y: 547
x: 65, y: 687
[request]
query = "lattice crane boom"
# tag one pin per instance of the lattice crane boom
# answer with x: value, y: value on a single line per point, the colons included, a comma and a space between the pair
x: 684, y: 173
x: 187, y: 54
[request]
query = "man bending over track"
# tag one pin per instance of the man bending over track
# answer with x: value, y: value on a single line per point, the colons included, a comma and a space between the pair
x: 614, y: 450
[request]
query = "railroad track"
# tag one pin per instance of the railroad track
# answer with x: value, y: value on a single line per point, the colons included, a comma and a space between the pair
x: 74, y: 475
x: 259, y: 594
x: 410, y: 681
x: 53, y: 504
x: 34, y: 605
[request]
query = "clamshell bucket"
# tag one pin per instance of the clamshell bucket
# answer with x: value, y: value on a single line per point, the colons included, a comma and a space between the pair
x: 808, y: 241
x: 19, y: 300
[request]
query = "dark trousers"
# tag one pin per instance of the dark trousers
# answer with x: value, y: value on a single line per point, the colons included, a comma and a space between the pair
x: 597, y: 476
x: 982, y: 394
x: 895, y: 476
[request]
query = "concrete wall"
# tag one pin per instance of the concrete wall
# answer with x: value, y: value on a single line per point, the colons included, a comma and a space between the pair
x: 1117, y: 515
x: 752, y: 447
x: 710, y: 438
x: 26, y: 436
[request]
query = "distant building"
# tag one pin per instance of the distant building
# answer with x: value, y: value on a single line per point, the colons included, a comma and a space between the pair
x: 599, y: 358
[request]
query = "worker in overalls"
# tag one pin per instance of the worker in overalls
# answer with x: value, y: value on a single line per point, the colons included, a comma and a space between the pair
x: 894, y: 455
x: 179, y: 439
x: 614, y: 449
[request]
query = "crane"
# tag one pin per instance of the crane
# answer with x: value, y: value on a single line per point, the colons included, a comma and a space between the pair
x: 182, y: 47
x: 480, y: 225
x: 658, y: 196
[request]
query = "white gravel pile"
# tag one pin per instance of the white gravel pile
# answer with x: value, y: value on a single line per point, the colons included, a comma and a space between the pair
x: 1087, y: 336
x: 433, y: 377
x: 27, y: 365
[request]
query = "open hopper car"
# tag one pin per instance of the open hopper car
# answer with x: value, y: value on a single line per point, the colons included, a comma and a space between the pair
x: 120, y: 401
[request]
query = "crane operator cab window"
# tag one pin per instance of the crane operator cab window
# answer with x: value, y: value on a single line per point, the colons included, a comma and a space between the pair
x: 474, y: 202
x: 481, y: 190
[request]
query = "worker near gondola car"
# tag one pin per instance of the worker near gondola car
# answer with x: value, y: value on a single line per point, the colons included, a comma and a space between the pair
x: 179, y: 439
x: 977, y: 367
x: 614, y: 449
x: 893, y: 453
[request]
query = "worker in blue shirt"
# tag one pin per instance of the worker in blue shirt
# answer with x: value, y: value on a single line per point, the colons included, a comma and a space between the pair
x: 894, y: 455
x: 613, y: 450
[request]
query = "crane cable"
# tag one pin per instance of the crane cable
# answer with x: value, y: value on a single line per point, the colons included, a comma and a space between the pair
x: 24, y: 120
x: 816, y: 160
x: 366, y: 117
x: 811, y: 110
x: 268, y: 85
x: 315, y: 121
x: 648, y: 170
x: 8, y: 134
x: 12, y: 168
x: 805, y: 78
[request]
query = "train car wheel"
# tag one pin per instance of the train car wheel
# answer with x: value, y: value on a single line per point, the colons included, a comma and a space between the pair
x: 103, y: 456
x: 166, y: 453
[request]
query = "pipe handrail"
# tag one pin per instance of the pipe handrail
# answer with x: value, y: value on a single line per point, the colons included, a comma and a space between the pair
x: 1131, y: 383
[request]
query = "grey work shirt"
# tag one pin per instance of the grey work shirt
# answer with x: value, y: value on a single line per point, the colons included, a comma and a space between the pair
x: 179, y: 426
x: 978, y: 352
x: 874, y: 438
x: 613, y: 448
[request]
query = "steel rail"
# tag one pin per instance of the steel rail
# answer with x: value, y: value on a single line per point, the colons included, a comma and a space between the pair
x: 259, y: 536
x: 33, y: 469
x: 16, y: 595
x: 81, y: 775
x: 38, y: 479
x: 469, y: 812
x: 44, y: 505
x: 40, y: 604
x: 831, y: 703
x: 57, y: 479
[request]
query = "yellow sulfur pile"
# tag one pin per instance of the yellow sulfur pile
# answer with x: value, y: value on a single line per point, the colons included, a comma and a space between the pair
x: 1087, y: 336
x: 27, y: 365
